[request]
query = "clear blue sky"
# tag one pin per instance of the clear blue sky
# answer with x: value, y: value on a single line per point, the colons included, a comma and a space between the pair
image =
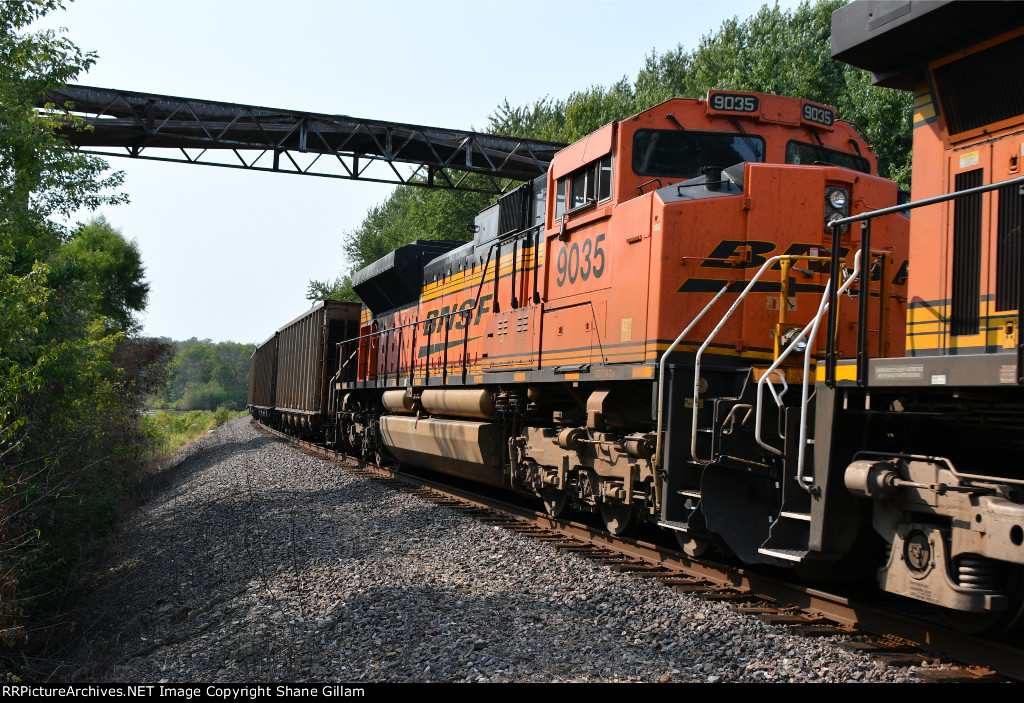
x: 229, y: 253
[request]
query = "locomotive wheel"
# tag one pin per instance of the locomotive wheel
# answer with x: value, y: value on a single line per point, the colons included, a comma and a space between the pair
x: 619, y: 518
x: 556, y: 502
x: 692, y: 546
x: 996, y: 623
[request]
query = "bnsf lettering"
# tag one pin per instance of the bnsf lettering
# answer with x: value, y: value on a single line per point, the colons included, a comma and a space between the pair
x: 738, y: 254
x: 734, y: 103
x: 746, y: 254
x: 819, y: 115
x: 428, y: 326
x: 436, y: 325
x: 901, y: 274
x: 575, y: 261
x: 482, y: 308
x: 460, y: 320
x: 432, y: 325
x: 806, y: 250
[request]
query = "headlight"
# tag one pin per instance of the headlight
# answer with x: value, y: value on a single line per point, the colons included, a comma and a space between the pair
x: 837, y: 199
x: 837, y: 202
x: 837, y: 216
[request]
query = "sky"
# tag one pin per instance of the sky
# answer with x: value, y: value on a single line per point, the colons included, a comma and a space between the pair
x: 229, y: 253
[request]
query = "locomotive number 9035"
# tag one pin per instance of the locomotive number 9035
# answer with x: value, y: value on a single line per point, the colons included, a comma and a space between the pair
x: 580, y: 261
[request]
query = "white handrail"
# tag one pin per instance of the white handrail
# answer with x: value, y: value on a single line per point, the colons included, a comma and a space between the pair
x: 807, y: 362
x: 700, y: 352
x: 810, y: 332
x: 661, y: 370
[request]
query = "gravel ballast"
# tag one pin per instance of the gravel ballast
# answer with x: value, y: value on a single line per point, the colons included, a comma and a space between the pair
x: 257, y: 563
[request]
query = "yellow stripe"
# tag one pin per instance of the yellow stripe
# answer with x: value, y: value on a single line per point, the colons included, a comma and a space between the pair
x: 924, y: 105
x: 470, y: 278
x: 928, y: 327
x: 846, y: 372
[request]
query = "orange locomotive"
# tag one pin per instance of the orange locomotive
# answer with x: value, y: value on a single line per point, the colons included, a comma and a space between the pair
x: 632, y: 334
x: 936, y: 463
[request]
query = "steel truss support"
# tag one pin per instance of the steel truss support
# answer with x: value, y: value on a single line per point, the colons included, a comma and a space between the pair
x: 165, y: 128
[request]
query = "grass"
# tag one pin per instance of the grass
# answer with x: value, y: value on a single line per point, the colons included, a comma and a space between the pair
x: 169, y: 433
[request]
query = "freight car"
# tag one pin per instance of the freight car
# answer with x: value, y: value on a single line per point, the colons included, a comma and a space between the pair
x: 680, y: 324
x: 290, y: 374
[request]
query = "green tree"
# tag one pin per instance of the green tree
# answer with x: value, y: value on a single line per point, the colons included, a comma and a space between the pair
x: 41, y: 177
x: 71, y: 381
x: 408, y: 214
x: 338, y: 289
x: 108, y: 268
x: 205, y: 376
x: 786, y: 53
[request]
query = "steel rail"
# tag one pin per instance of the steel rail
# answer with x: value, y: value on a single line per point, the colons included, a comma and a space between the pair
x: 1005, y: 659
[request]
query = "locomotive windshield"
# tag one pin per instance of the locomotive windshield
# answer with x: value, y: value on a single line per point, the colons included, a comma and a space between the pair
x: 802, y: 153
x: 669, y: 152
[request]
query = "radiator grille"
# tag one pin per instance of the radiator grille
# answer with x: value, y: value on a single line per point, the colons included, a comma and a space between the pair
x: 982, y: 88
x: 966, y: 256
x: 1008, y: 254
x: 513, y: 209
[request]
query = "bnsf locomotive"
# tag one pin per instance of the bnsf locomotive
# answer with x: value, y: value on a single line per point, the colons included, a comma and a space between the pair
x: 680, y: 325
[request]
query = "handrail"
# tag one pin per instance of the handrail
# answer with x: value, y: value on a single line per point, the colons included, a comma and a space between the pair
x: 466, y: 309
x: 659, y: 442
x: 700, y: 352
x: 865, y: 218
x: 661, y: 370
x: 809, y: 332
x: 787, y: 265
x: 921, y: 203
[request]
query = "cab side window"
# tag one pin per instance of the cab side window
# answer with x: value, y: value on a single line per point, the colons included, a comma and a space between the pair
x: 590, y: 184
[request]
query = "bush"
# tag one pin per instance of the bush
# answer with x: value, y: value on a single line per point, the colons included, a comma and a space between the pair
x: 169, y: 432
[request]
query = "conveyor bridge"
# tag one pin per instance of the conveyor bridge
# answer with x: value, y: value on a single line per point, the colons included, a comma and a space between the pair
x: 165, y: 128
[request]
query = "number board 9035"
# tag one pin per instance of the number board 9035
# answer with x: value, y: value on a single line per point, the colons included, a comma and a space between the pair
x: 728, y: 102
x: 818, y: 115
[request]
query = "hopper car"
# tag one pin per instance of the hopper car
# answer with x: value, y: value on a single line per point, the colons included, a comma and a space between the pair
x: 703, y: 318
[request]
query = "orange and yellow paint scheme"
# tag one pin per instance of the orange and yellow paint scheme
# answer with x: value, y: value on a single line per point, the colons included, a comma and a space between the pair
x: 635, y: 240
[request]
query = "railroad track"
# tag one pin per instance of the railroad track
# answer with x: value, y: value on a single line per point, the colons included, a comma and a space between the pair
x: 894, y: 638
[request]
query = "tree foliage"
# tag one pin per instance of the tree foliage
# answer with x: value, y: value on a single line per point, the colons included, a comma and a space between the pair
x: 108, y: 269
x: 40, y: 176
x: 72, y: 379
x: 207, y: 376
x: 783, y: 52
x: 408, y: 214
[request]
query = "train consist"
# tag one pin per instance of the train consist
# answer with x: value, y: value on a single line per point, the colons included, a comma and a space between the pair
x: 679, y: 325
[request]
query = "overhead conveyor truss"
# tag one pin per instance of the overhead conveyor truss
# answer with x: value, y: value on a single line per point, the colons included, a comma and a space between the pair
x: 166, y: 128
